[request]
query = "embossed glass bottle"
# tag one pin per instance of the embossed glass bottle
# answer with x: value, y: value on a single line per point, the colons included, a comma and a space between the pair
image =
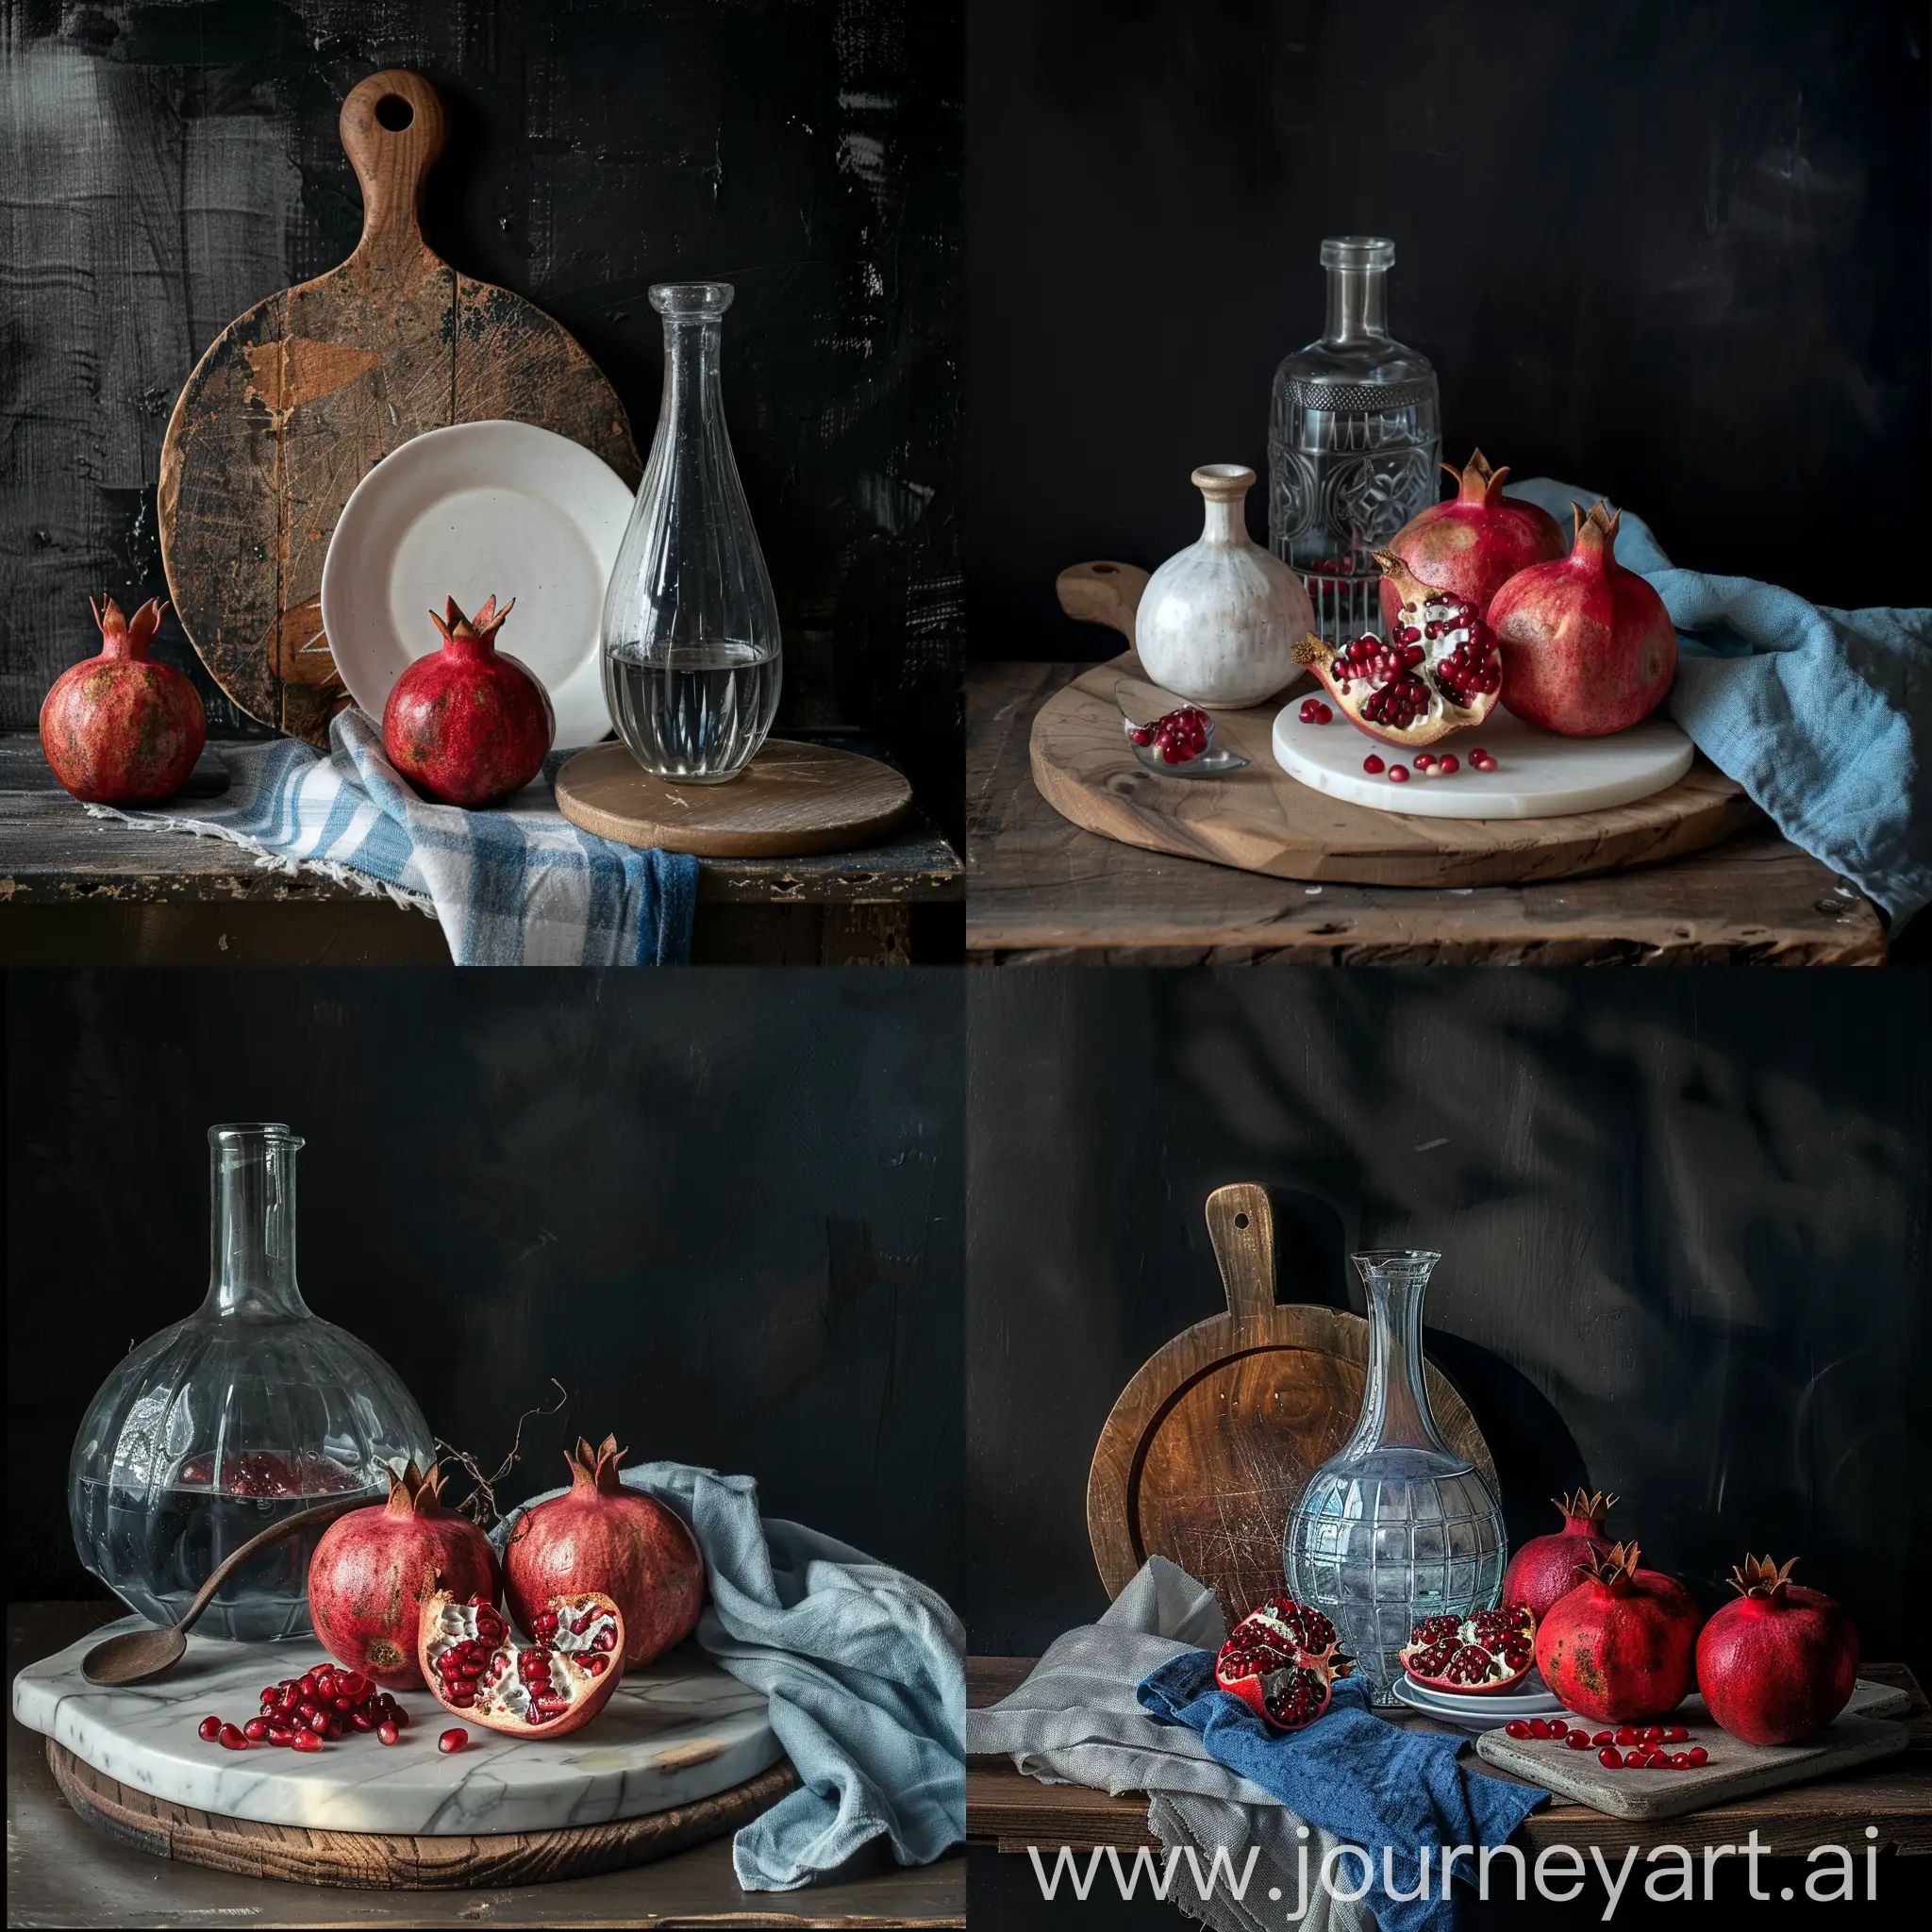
x: 250, y: 1409
x: 1397, y: 1526
x: 1353, y: 438
x: 692, y: 664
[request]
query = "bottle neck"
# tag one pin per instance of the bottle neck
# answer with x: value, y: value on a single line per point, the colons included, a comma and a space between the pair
x: 1227, y: 523
x: 252, y: 1225
x: 1357, y: 306
x: 691, y: 393
x: 1395, y: 1408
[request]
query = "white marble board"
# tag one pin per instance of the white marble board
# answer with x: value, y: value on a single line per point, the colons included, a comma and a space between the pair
x: 675, y: 1732
x: 1538, y: 775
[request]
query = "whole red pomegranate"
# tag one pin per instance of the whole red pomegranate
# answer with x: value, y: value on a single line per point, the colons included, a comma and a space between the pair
x: 602, y: 1536
x: 1473, y: 543
x: 1619, y: 1647
x: 1548, y: 1567
x: 468, y: 725
x: 122, y: 728
x: 1780, y: 1662
x: 375, y: 1570
x: 1588, y: 646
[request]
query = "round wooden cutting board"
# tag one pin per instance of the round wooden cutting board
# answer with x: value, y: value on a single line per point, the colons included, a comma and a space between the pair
x: 373, y: 1860
x: 792, y: 799
x: 1263, y: 821
x: 1215, y: 1438
x: 296, y: 401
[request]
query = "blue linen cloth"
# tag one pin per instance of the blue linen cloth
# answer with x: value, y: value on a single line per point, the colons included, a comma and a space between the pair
x: 1389, y: 1790
x: 864, y: 1666
x: 1823, y: 716
x: 518, y: 885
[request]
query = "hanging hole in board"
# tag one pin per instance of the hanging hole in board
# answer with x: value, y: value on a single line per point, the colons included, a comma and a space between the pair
x: 394, y: 112
x: 1241, y: 1221
x: 1103, y: 570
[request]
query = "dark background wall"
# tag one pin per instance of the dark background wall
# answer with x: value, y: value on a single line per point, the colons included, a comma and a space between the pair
x: 170, y: 164
x: 723, y: 1210
x: 1673, y: 254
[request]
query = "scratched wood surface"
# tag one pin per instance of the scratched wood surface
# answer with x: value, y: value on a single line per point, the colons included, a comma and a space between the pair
x: 299, y: 398
x: 1216, y: 1436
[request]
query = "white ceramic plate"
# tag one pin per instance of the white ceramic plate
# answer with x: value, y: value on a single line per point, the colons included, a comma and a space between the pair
x: 476, y: 510
x: 1538, y: 775
x: 1482, y: 1713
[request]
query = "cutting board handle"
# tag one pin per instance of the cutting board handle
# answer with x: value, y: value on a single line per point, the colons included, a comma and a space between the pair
x: 1240, y: 1223
x: 1103, y: 592
x: 392, y: 130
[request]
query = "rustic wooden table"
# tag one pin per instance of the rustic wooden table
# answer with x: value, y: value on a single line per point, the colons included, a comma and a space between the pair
x: 82, y: 891
x: 1040, y: 892
x: 1007, y: 1809
x: 61, y: 1872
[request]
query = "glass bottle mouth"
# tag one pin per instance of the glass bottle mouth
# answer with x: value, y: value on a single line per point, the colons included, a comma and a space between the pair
x: 1358, y: 252
x: 691, y: 301
x: 254, y: 1133
x: 1394, y: 1263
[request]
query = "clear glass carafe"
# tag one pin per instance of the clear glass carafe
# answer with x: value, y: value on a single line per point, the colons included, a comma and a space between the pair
x: 250, y: 1409
x: 1398, y: 1526
x: 692, y: 662
x: 1353, y: 441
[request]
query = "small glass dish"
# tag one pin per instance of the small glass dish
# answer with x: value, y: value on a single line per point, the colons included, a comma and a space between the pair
x: 1144, y: 707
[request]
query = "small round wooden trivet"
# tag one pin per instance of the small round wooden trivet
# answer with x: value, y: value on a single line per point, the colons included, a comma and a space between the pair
x: 372, y: 1860
x: 791, y: 799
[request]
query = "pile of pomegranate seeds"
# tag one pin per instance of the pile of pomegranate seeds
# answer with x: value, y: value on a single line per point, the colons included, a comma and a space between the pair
x: 305, y: 1713
x: 1315, y: 712
x: 1642, y: 1746
x: 1176, y: 738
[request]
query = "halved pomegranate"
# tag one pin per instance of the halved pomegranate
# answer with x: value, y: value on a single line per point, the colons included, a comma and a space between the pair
x: 1281, y: 1660
x: 546, y: 1689
x: 1439, y: 670
x: 1490, y: 1650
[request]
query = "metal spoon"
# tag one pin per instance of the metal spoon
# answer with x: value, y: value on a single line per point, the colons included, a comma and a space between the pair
x: 133, y: 1657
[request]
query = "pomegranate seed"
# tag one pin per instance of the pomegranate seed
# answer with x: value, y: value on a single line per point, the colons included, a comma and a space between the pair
x: 256, y: 1730
x: 306, y: 1684
x: 1604, y: 1737
x: 388, y: 1732
x: 1516, y: 1728
x: 280, y: 1734
x: 1577, y: 1741
x: 1398, y: 775
x: 452, y: 1740
x: 210, y: 1728
x: 1423, y: 760
x: 1610, y: 1758
x: 1680, y: 1760
x: 1677, y: 1734
x: 1448, y: 762
x: 305, y: 1740
x: 1698, y: 1755
x: 362, y: 1720
x: 1654, y: 1735
x: 233, y: 1737
x: 1372, y: 765
x: 1627, y: 1734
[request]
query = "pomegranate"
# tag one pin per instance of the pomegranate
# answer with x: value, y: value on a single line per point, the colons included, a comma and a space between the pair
x: 1548, y: 1567
x: 1476, y: 542
x: 602, y: 1536
x: 1489, y: 1650
x: 374, y: 1569
x: 1588, y: 646
x: 1619, y: 1645
x: 1779, y: 1662
x: 123, y: 728
x: 548, y: 1689
x: 468, y: 725
x: 1437, y: 671
x: 1281, y: 1660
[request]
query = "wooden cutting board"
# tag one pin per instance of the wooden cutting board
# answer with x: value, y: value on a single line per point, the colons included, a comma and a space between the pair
x: 792, y: 799
x: 377, y: 1861
x: 297, y: 400
x: 1858, y: 1735
x: 1212, y: 1443
x: 1263, y: 821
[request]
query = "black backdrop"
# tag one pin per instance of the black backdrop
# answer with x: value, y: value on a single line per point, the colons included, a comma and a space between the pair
x: 181, y: 161
x: 722, y: 1208
x: 1676, y: 255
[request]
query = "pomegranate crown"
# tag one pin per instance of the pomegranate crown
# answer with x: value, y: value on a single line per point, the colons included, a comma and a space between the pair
x: 1596, y: 532
x: 1760, y: 1577
x: 416, y: 1491
x: 598, y: 1466
x: 457, y: 628
x: 1582, y: 1506
x: 1408, y: 586
x: 1475, y: 482
x: 1613, y: 1568
x: 132, y: 635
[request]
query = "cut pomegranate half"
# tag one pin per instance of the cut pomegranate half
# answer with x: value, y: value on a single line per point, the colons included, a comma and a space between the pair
x: 1281, y: 1660
x: 1488, y: 1651
x: 1438, y: 670
x: 548, y: 1687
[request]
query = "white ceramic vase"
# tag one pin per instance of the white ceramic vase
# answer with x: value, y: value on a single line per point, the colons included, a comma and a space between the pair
x: 1218, y: 621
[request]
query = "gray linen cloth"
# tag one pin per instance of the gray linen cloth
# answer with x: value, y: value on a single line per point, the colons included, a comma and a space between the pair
x: 1075, y: 1721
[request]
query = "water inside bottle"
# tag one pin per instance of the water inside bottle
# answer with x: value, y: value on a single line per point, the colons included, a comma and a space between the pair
x: 699, y: 712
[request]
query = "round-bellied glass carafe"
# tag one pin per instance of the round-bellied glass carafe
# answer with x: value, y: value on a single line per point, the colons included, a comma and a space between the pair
x: 249, y: 1410
x: 1397, y: 1526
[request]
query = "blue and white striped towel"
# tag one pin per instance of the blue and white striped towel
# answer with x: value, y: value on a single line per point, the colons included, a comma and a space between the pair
x: 518, y: 885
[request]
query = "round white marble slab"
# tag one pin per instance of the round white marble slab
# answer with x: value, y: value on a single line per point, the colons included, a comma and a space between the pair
x: 1538, y: 775
x: 675, y: 1732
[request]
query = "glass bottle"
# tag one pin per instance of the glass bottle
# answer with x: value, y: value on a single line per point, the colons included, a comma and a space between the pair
x: 1353, y: 441
x: 1397, y: 1526
x: 250, y: 1409
x: 691, y: 664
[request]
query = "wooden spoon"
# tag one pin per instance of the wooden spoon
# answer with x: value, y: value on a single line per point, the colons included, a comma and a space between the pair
x: 133, y: 1657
